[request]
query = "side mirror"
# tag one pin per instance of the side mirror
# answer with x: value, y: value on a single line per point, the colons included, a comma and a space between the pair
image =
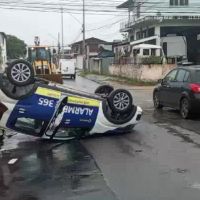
x: 160, y: 80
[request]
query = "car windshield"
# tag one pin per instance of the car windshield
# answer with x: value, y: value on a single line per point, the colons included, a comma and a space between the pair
x: 38, y: 53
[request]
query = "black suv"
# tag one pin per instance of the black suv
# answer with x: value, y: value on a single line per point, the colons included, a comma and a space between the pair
x: 180, y: 89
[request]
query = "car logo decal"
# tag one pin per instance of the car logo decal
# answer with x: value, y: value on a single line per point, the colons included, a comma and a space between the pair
x: 83, y: 101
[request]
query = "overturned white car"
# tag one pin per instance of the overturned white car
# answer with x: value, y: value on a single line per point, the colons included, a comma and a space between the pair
x: 37, y: 107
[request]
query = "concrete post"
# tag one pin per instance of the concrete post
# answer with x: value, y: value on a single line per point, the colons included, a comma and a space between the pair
x: 158, y: 41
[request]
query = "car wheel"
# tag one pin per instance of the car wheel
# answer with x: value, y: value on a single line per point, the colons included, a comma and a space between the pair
x: 104, y: 90
x: 156, y: 101
x: 120, y: 101
x: 20, y: 73
x: 118, y: 118
x: 185, y: 108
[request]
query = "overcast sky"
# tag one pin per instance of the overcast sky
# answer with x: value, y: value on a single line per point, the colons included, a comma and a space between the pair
x: 27, y: 24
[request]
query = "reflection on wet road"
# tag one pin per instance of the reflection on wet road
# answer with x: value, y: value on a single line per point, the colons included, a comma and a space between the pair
x: 46, y: 170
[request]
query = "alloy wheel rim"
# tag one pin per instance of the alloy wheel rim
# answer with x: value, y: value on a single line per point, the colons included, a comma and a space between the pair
x: 20, y: 72
x: 184, y: 108
x: 121, y: 101
x: 156, y: 101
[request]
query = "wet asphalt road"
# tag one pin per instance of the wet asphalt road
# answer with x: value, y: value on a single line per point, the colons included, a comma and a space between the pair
x: 159, y: 160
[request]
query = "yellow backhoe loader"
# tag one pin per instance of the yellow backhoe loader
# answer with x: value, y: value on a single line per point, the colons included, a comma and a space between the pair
x: 45, y: 63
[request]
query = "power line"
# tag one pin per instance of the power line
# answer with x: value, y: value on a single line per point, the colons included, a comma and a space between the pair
x: 105, y: 26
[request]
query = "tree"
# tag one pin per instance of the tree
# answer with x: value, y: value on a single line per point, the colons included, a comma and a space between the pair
x: 16, y: 48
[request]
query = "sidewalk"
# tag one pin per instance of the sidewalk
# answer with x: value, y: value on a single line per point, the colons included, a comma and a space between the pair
x: 115, y: 81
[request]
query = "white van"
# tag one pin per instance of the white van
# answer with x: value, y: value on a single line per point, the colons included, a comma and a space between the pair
x: 68, y: 68
x: 146, y: 50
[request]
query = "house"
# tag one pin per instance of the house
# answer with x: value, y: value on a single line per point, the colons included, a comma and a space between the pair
x: 3, y: 54
x: 100, y: 63
x: 92, y: 49
x: 172, y: 24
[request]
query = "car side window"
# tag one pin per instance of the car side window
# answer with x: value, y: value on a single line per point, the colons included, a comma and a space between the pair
x: 186, y: 77
x: 180, y: 75
x: 171, y: 76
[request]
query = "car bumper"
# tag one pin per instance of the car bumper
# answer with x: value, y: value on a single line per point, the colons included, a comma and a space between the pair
x: 195, y: 103
x: 103, y: 125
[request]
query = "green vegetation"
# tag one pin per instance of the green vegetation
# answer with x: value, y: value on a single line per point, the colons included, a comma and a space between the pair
x: 152, y: 60
x: 16, y: 48
x: 84, y: 74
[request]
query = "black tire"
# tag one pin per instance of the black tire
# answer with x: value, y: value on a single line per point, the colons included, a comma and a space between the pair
x: 20, y: 73
x: 120, y: 101
x: 74, y: 76
x: 104, y: 90
x: 156, y: 101
x: 185, y: 108
x: 118, y: 118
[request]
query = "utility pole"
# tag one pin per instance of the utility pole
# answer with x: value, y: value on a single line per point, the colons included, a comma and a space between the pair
x: 59, y: 43
x: 62, y: 31
x: 84, y: 50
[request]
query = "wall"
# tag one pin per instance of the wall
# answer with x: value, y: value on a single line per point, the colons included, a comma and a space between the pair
x: 152, y: 7
x: 94, y: 65
x: 79, y: 62
x: 176, y: 45
x: 142, y: 72
x: 100, y: 66
x: 105, y: 63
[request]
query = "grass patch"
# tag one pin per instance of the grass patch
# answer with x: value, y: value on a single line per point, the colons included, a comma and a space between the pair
x: 84, y: 74
x: 134, y: 82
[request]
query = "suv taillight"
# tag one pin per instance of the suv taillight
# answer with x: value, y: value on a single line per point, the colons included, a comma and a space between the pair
x: 195, y: 87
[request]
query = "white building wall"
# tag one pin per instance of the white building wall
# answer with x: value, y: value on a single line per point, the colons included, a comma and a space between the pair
x: 176, y: 45
x: 79, y: 62
x: 153, y: 7
x: 157, y: 33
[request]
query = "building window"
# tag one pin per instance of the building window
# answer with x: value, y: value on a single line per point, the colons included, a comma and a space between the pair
x: 153, y: 52
x: 184, y: 2
x: 179, y: 2
x: 151, y: 32
x: 146, y: 52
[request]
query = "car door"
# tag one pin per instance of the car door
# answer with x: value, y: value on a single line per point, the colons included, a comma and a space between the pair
x: 177, y: 88
x: 165, y: 89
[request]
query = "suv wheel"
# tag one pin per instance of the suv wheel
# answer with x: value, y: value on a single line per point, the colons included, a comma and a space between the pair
x: 185, y: 108
x: 156, y: 101
x: 120, y: 101
x: 20, y: 73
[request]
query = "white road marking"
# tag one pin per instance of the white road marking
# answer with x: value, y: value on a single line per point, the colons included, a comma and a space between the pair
x: 12, y: 161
